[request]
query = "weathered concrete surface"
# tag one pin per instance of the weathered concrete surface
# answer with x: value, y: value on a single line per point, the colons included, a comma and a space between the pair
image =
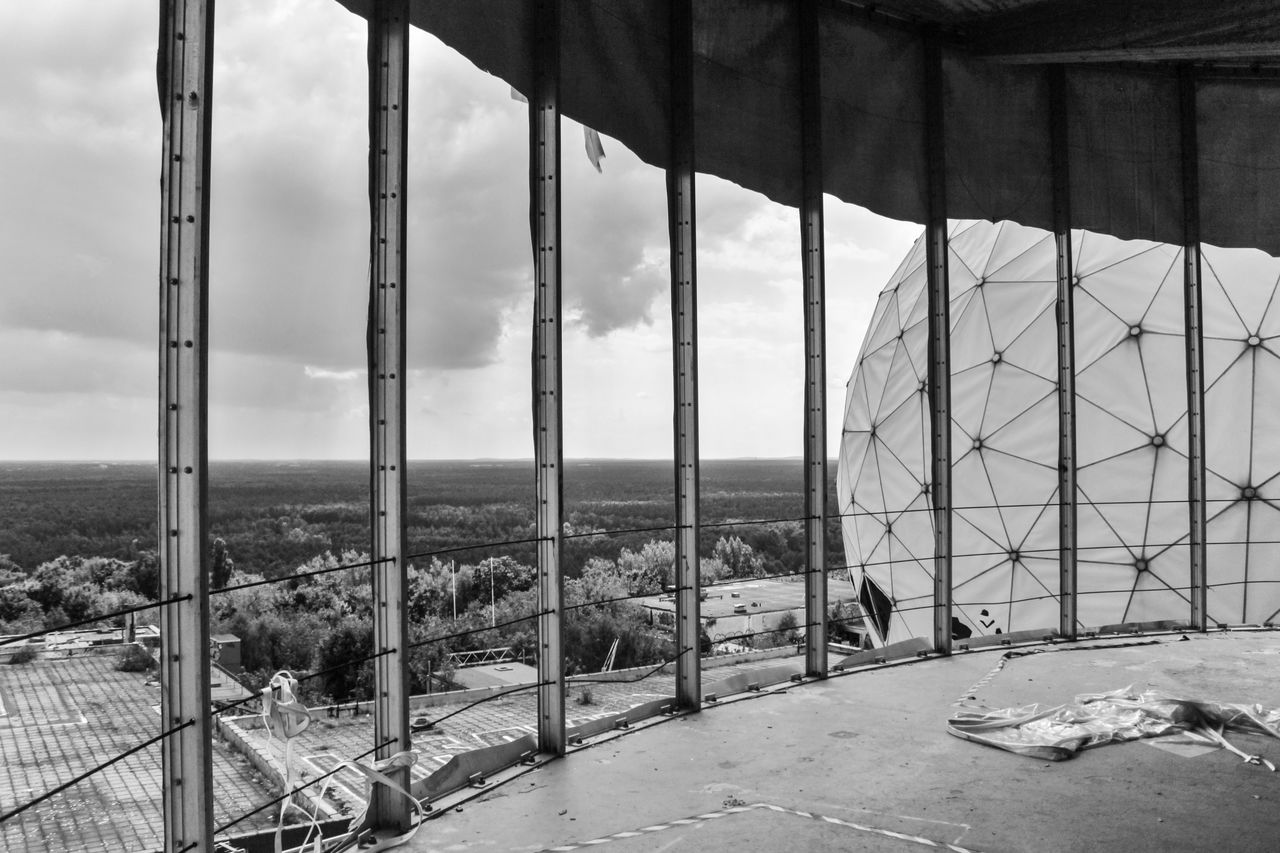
x: 870, y: 751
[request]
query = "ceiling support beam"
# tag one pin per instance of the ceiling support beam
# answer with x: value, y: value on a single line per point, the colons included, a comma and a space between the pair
x: 1194, y: 336
x: 684, y: 331
x: 388, y: 174
x: 544, y: 186
x: 939, y: 367
x: 1065, y: 313
x: 813, y: 268
x: 186, y: 90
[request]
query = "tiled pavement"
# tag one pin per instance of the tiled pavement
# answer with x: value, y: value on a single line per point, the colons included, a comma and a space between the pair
x: 461, y: 728
x: 65, y: 716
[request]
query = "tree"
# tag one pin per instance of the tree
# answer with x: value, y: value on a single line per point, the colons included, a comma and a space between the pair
x: 10, y: 572
x: 18, y: 613
x: 145, y: 573
x: 221, y: 564
x: 343, y: 660
x: 647, y: 571
x: 740, y: 559
x: 507, y: 575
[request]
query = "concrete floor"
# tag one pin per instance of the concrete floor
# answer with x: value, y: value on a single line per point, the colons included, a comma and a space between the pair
x: 863, y: 762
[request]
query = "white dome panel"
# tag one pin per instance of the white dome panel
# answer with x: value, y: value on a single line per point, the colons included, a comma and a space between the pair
x: 1131, y: 436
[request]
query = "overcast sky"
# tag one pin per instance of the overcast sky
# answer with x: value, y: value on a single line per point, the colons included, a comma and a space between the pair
x: 80, y: 210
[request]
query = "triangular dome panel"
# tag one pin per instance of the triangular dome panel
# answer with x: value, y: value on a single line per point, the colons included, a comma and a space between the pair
x: 1131, y: 435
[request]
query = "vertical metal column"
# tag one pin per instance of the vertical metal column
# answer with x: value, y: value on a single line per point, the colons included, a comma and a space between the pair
x: 939, y: 344
x: 684, y: 331
x: 813, y: 264
x: 1065, y: 308
x: 186, y: 89
x: 388, y: 167
x: 1194, y: 334
x: 544, y: 211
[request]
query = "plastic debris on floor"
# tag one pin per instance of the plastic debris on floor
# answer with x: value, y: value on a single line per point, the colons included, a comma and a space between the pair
x: 1096, y: 719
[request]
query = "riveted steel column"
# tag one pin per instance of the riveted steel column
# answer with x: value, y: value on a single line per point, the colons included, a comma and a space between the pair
x: 939, y: 345
x: 684, y: 330
x: 388, y: 167
x: 544, y: 182
x: 815, y: 344
x: 1194, y: 334
x: 1065, y: 308
x: 186, y: 89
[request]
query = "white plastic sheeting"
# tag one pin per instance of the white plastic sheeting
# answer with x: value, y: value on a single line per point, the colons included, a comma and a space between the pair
x: 1131, y: 437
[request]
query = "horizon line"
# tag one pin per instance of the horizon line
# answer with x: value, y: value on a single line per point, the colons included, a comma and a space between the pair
x: 472, y: 459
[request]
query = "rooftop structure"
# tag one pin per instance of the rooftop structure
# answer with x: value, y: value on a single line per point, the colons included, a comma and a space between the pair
x: 748, y: 609
x: 1144, y: 121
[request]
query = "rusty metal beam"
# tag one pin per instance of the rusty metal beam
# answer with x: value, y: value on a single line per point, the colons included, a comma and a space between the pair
x: 1065, y: 312
x: 684, y: 330
x: 544, y: 182
x: 1194, y: 336
x: 939, y: 368
x: 813, y: 269
x: 388, y: 167
x: 186, y: 88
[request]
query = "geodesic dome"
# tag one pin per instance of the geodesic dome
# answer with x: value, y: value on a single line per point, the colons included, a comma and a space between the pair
x: 1131, y: 406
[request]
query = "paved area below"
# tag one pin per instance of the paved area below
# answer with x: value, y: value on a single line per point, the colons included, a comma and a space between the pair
x: 64, y: 716
x: 863, y: 762
x: 457, y: 728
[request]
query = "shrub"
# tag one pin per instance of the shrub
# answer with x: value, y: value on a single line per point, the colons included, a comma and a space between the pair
x: 26, y: 654
x: 134, y: 658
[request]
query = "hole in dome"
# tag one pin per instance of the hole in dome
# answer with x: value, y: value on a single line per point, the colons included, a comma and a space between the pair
x: 1134, y: 331
x: 875, y: 604
x: 995, y: 359
x: 1157, y: 440
x: 977, y: 444
x: 1254, y: 340
x: 1248, y: 493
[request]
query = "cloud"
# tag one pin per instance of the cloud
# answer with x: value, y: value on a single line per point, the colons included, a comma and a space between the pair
x: 616, y: 262
x: 52, y: 362
x: 79, y: 160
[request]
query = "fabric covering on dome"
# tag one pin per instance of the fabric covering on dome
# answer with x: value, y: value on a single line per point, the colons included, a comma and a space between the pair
x: 1131, y: 426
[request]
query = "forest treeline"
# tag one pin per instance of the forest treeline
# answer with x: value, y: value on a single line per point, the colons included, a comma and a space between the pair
x: 319, y: 619
x: 272, y: 521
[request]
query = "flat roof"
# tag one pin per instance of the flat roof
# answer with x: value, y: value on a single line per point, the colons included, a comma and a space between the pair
x: 495, y: 675
x: 863, y: 761
x: 758, y: 595
x: 63, y: 716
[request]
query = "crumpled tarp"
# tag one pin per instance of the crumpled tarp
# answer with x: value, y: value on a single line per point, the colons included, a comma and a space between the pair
x: 1095, y: 719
